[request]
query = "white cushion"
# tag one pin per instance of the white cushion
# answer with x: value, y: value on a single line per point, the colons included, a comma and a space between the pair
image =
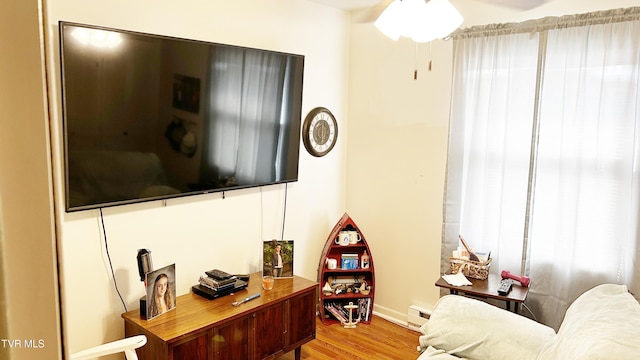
x: 431, y: 353
x: 603, y: 323
x: 476, y: 330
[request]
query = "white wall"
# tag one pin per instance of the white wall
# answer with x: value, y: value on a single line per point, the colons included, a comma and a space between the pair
x: 398, y: 131
x: 202, y: 232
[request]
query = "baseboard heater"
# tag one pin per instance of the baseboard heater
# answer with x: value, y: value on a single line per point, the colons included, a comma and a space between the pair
x: 417, y: 316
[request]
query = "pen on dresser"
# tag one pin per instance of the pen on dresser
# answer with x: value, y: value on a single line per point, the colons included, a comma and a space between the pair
x: 238, y: 303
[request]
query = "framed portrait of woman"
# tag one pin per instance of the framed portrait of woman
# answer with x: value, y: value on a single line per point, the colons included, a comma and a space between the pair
x: 161, y: 291
x: 277, y: 258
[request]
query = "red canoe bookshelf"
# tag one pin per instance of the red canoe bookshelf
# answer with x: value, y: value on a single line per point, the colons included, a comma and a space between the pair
x: 352, y: 280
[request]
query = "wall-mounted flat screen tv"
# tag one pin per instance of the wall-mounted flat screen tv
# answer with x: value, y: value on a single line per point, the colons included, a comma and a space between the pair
x: 149, y: 117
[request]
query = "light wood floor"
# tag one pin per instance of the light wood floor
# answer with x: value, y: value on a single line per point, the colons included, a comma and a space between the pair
x: 381, y: 339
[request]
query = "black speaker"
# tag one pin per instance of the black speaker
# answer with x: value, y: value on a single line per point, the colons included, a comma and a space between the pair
x: 143, y: 307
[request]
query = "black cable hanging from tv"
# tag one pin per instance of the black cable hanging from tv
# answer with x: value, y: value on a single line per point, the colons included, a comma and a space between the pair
x: 106, y: 246
x: 284, y: 209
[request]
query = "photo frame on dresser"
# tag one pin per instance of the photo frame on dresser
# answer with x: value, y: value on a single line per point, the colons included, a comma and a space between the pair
x: 277, y: 258
x: 161, y: 291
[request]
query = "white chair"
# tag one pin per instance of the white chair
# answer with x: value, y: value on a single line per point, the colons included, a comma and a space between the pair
x: 127, y: 345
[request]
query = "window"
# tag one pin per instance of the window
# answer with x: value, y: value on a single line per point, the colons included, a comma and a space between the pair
x: 543, y: 152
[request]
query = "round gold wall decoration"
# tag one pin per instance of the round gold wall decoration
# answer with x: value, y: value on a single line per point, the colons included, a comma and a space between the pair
x: 319, y: 131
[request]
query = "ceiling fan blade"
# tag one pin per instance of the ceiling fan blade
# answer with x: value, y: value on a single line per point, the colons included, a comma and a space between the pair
x: 516, y: 4
x: 369, y: 15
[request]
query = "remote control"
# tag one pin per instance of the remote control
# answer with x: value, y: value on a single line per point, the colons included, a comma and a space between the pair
x: 505, y: 286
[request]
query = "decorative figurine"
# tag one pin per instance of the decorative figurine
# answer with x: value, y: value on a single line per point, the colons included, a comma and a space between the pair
x: 352, y: 323
x: 364, y: 289
x: 327, y: 289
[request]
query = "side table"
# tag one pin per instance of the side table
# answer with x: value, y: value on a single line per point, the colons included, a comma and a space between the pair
x: 488, y: 289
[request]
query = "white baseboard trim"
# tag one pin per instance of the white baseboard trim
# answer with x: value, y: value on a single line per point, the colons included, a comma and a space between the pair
x: 392, y: 316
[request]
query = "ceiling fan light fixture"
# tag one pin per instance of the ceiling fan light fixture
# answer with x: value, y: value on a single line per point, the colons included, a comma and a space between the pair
x: 448, y: 19
x: 420, y: 21
x: 387, y: 22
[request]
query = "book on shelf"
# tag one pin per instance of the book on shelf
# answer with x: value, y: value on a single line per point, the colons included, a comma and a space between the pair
x: 364, y: 308
x: 363, y: 312
x: 336, y: 312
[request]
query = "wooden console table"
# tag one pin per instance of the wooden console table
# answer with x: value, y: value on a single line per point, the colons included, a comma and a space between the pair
x: 488, y: 289
x: 278, y: 321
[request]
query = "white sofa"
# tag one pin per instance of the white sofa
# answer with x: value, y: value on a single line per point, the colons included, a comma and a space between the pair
x: 603, y: 323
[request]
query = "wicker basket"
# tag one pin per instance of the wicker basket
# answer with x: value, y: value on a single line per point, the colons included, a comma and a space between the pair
x: 473, y: 269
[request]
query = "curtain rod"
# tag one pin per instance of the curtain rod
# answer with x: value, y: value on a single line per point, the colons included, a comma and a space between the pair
x: 549, y: 23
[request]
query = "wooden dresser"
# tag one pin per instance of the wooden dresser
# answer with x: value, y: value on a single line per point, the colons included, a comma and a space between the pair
x: 278, y: 321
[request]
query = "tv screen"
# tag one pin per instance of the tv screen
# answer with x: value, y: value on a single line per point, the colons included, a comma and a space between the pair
x: 150, y: 117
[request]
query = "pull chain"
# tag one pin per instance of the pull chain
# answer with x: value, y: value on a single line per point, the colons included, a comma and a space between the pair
x: 430, y: 55
x: 415, y: 67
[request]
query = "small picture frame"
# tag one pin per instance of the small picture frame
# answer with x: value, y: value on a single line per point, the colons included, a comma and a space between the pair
x: 277, y: 258
x: 161, y: 291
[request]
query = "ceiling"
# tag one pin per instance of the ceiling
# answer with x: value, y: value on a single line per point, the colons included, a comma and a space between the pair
x: 348, y: 4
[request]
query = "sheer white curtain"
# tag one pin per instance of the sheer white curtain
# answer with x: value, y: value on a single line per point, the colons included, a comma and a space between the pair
x: 489, y: 145
x: 585, y: 217
x: 551, y: 185
x: 245, y: 85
